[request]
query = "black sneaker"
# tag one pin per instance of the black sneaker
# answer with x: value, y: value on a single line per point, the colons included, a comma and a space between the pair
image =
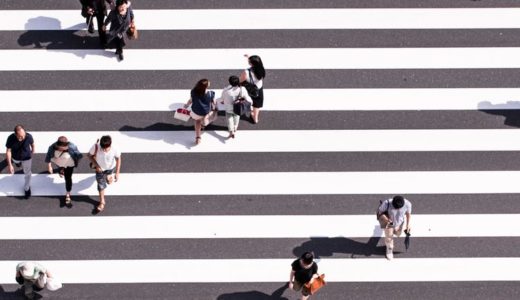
x: 120, y: 56
x: 28, y: 194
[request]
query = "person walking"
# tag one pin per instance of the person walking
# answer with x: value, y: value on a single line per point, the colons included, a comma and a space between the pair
x: 32, y: 276
x: 255, y: 75
x: 202, y: 103
x: 96, y: 9
x: 106, y: 159
x: 394, y: 214
x: 120, y: 20
x: 230, y: 94
x: 66, y: 156
x: 303, y: 270
x: 19, y: 151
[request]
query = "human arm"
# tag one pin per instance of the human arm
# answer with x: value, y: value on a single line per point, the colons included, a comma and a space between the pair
x: 188, y: 103
x: 8, y: 157
x: 118, y: 167
x: 291, y: 279
x: 408, y: 216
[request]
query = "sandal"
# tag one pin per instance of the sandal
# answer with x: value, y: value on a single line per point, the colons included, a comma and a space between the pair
x: 197, y: 140
x: 100, y: 207
x: 68, y: 201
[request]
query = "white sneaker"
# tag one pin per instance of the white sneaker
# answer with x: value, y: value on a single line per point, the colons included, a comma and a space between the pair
x: 389, y: 253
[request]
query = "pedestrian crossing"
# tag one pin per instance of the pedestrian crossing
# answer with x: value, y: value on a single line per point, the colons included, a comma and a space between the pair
x: 364, y: 100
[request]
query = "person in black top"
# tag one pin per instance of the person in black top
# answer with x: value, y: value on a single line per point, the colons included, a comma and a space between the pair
x: 120, y: 20
x: 20, y: 148
x: 97, y: 9
x: 304, y: 270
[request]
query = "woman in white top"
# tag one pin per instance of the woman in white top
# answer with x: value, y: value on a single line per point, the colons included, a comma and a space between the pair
x: 229, y: 95
x: 256, y: 75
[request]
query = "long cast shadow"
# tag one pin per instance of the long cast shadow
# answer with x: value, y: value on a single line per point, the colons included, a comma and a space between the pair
x: 255, y: 295
x: 510, y: 110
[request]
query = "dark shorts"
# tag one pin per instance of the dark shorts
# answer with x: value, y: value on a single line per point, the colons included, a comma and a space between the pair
x: 101, y: 179
x: 258, y: 102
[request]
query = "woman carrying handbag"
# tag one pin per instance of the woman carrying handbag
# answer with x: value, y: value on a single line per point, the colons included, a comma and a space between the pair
x: 65, y: 155
x: 304, y: 275
x: 202, y: 103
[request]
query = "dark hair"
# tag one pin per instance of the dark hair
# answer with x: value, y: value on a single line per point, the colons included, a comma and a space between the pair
x: 200, y: 87
x: 234, y: 81
x: 18, y: 127
x: 105, y: 141
x: 257, y: 66
x: 307, y: 257
x: 62, y: 142
x: 121, y: 2
x: 398, y: 202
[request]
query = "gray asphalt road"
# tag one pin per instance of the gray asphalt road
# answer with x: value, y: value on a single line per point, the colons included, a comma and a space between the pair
x: 333, y: 247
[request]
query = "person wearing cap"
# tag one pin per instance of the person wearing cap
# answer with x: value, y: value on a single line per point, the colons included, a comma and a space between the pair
x: 65, y: 155
x: 303, y: 270
x: 32, y: 276
x: 20, y: 148
x: 394, y: 215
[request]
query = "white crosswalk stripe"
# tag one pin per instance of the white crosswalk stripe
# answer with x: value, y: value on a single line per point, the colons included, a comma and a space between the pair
x: 432, y: 224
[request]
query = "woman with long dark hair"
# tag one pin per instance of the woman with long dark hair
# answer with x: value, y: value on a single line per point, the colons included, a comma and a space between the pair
x: 255, y: 75
x: 201, y: 102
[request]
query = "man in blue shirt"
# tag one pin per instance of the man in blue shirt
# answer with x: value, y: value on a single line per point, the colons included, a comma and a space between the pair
x: 20, y: 148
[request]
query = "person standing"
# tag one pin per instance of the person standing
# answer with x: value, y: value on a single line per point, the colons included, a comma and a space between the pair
x: 107, y: 160
x: 394, y: 214
x: 120, y: 19
x: 20, y: 148
x: 32, y: 276
x: 96, y: 9
x: 230, y: 94
x: 202, y: 102
x: 65, y: 155
x: 255, y: 75
x: 303, y: 270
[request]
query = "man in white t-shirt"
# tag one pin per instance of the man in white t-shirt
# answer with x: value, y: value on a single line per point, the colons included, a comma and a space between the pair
x: 107, y: 160
x: 391, y: 215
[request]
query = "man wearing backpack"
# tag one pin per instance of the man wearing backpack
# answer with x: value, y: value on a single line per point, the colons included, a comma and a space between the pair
x: 391, y: 216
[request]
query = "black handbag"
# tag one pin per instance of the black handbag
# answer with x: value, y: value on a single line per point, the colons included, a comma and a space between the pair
x: 241, y: 106
x: 251, y: 87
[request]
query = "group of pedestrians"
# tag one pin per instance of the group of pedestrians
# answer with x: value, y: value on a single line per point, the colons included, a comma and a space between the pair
x: 247, y: 87
x: 65, y: 156
x: 120, y: 18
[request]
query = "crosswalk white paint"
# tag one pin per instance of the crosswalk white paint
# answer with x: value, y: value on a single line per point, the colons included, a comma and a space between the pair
x: 275, y: 270
x: 231, y: 19
x: 279, y: 99
x: 289, y: 140
x: 232, y: 226
x: 275, y: 58
x: 276, y: 183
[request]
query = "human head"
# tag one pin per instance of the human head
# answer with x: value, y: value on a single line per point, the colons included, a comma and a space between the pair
x: 257, y: 66
x: 234, y: 81
x: 19, y: 131
x: 105, y: 142
x: 307, y: 257
x: 122, y: 7
x: 201, y: 86
x: 398, y: 202
x: 62, y: 142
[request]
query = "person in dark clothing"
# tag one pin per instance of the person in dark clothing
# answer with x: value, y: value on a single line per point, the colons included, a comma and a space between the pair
x: 65, y: 155
x: 19, y: 150
x: 120, y: 20
x: 202, y: 101
x: 303, y: 270
x: 96, y: 9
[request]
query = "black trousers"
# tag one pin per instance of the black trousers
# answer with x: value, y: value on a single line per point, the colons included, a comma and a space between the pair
x: 67, y: 173
x: 100, y: 18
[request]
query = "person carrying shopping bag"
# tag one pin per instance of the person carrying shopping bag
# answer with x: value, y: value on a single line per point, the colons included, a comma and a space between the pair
x: 232, y: 95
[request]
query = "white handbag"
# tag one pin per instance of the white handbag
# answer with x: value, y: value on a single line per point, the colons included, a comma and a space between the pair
x: 182, y: 114
x: 53, y: 284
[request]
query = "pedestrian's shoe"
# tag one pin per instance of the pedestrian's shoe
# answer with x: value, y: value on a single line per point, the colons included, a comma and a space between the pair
x: 389, y: 253
x: 68, y: 201
x: 28, y: 194
x: 120, y: 56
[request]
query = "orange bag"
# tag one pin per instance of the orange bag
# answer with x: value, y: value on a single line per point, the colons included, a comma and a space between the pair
x: 316, y: 284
